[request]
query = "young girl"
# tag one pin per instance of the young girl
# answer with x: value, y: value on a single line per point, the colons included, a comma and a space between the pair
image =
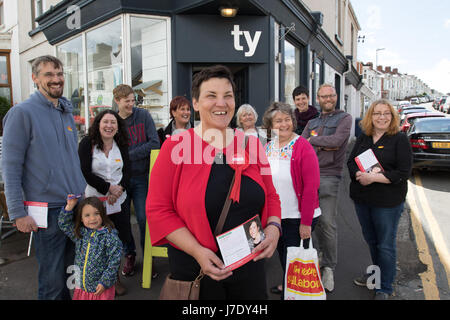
x: 97, y: 248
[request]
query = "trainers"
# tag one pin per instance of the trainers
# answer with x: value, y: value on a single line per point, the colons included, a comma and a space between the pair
x: 128, y: 268
x: 380, y: 295
x: 362, y: 280
x: 328, y: 279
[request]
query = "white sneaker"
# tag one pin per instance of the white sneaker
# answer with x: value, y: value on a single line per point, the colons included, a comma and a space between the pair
x: 328, y: 279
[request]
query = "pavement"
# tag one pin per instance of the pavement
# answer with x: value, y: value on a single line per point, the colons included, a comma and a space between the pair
x: 18, y: 273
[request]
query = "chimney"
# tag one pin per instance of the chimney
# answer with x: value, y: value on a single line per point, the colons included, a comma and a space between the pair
x: 388, y: 70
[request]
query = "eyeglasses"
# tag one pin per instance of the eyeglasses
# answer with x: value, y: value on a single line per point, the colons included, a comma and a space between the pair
x: 379, y: 114
x: 328, y: 96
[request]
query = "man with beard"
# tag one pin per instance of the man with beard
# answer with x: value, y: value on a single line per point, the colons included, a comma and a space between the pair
x: 40, y: 164
x: 328, y: 134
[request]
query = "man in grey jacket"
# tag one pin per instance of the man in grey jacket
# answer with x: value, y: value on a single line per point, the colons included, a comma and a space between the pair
x: 328, y: 134
x: 40, y: 163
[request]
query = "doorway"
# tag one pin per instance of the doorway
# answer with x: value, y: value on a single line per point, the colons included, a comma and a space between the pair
x: 240, y: 74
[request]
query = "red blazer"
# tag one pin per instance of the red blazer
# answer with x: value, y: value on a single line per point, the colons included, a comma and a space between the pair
x: 178, y: 181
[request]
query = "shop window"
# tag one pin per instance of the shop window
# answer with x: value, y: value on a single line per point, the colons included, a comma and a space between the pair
x: 317, y: 80
x: 71, y: 55
x: 149, y: 66
x: 104, y: 66
x: 291, y: 70
x: 37, y: 9
x: 5, y: 76
x: 2, y: 15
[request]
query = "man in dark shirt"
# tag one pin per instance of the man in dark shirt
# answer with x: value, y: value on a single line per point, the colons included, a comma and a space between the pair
x: 328, y: 134
x: 303, y: 111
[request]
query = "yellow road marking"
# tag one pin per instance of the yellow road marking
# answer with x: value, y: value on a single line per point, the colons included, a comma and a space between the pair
x: 429, y: 276
x: 436, y: 234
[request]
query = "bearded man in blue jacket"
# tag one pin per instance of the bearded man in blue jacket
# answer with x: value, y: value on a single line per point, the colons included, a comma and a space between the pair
x: 40, y: 163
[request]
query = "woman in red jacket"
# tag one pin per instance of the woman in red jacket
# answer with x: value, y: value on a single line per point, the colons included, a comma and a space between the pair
x: 188, y: 187
x: 296, y: 177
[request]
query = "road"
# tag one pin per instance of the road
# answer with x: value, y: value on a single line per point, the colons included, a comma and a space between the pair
x: 428, y: 203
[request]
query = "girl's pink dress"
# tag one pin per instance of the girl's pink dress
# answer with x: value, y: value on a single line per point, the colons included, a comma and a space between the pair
x: 80, y: 294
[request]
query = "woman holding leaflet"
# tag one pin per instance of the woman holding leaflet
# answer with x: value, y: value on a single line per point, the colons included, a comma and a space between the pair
x: 379, y: 195
x: 188, y: 187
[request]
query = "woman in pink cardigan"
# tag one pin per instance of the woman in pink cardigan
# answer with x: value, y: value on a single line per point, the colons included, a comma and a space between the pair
x: 296, y: 177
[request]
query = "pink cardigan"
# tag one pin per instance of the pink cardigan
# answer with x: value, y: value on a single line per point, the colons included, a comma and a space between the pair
x: 176, y: 195
x: 305, y: 174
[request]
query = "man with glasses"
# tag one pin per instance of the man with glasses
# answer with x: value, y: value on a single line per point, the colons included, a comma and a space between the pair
x: 328, y: 134
x: 40, y: 164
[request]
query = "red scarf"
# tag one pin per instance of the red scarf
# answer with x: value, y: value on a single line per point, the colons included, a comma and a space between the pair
x: 239, y: 162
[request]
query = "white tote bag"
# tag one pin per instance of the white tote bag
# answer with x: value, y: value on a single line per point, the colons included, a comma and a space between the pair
x: 302, y: 278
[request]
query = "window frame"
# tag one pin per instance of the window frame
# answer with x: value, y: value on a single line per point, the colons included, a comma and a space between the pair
x: 7, y: 54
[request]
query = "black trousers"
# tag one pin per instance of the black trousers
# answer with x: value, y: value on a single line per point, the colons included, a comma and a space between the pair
x: 247, y: 282
x: 122, y: 223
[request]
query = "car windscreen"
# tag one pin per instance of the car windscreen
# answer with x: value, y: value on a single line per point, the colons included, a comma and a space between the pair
x: 436, y: 125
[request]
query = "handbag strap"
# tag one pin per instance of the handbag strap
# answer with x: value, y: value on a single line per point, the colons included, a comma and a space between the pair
x: 227, y: 204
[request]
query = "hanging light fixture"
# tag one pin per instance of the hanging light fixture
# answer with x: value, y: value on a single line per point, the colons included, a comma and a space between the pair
x: 228, y: 12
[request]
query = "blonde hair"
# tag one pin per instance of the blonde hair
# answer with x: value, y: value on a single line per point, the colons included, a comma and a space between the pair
x: 366, y: 123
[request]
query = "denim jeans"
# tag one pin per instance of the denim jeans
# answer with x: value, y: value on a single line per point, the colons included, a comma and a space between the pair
x: 54, y: 253
x: 326, y: 229
x: 138, y: 193
x: 291, y: 238
x: 379, y: 228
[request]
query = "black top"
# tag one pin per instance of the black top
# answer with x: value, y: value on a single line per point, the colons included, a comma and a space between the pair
x: 395, y: 156
x: 85, y: 150
x: 251, y: 198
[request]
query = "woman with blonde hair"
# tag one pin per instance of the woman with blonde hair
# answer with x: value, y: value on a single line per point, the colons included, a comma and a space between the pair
x: 379, y: 195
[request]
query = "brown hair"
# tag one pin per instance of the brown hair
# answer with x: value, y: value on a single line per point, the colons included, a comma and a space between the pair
x: 36, y: 64
x: 217, y: 71
x: 366, y: 123
x: 122, y: 91
x: 270, y: 112
x: 178, y: 102
x: 97, y: 204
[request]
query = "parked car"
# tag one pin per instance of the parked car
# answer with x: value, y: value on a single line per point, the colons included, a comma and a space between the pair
x: 436, y: 102
x: 441, y: 103
x: 403, y: 104
x: 430, y: 143
x: 410, y: 118
x: 412, y: 108
x: 414, y: 101
x: 445, y: 105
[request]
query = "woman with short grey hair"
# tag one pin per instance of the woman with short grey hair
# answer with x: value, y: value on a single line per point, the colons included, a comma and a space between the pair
x: 246, y: 117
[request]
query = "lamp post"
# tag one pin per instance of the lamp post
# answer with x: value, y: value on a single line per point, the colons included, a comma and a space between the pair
x: 376, y: 57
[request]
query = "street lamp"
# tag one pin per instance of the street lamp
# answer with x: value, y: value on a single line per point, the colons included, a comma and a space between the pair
x: 376, y: 57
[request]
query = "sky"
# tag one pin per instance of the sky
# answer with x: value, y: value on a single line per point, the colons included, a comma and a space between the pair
x: 414, y: 33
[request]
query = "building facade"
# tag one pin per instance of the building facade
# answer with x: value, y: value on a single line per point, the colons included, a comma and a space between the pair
x: 157, y: 46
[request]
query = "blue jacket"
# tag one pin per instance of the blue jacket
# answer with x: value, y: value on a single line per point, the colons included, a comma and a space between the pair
x: 143, y: 138
x: 97, y: 253
x: 40, y: 155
